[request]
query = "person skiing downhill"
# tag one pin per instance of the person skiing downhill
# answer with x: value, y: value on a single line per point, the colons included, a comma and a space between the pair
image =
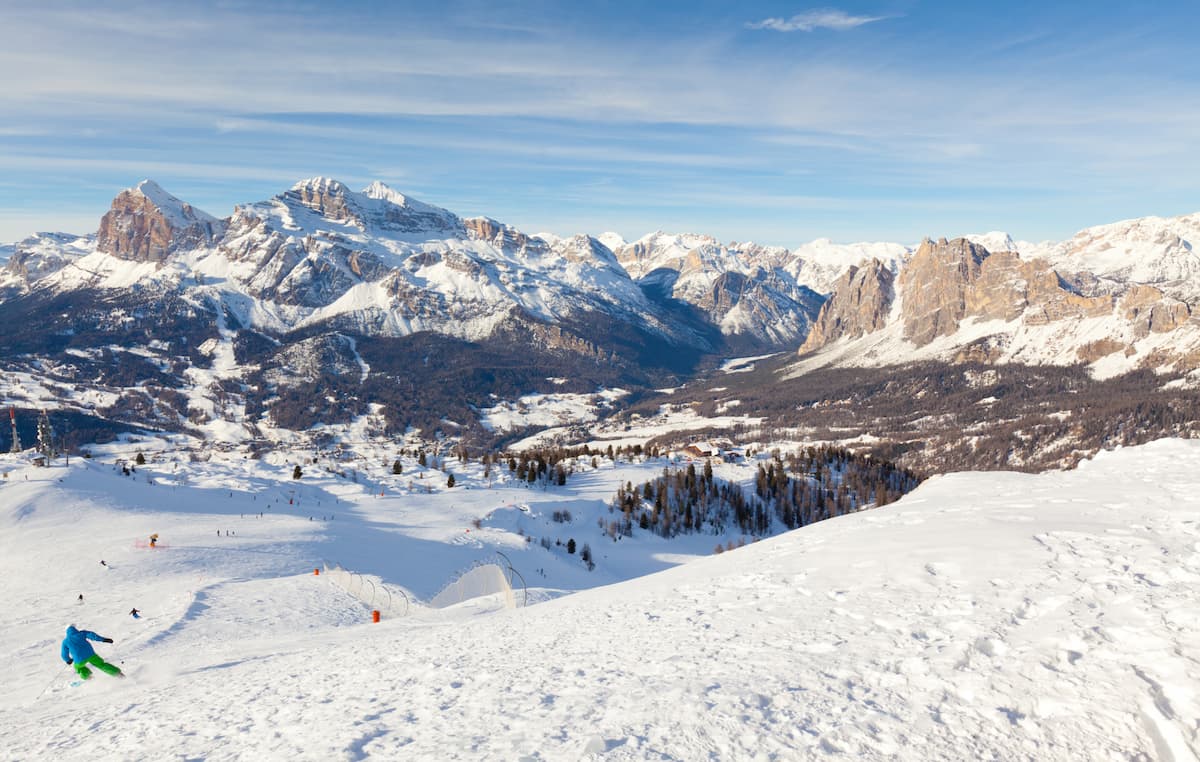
x: 78, y: 652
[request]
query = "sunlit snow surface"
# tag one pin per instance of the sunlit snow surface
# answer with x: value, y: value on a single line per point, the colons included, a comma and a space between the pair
x: 986, y: 615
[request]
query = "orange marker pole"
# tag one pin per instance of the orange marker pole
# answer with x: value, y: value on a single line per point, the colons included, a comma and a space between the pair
x: 316, y: 572
x: 375, y: 615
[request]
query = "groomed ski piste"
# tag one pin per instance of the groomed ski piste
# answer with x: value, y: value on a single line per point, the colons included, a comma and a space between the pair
x: 985, y: 615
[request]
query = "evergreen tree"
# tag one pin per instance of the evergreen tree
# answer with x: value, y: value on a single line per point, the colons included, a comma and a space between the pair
x: 45, y: 436
x: 296, y: 473
x: 140, y: 459
x: 450, y: 480
x: 396, y: 467
x: 571, y: 546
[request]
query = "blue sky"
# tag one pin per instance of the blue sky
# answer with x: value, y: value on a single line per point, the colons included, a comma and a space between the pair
x: 777, y: 122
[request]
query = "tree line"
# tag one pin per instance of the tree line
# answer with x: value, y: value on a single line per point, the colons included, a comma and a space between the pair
x: 810, y: 485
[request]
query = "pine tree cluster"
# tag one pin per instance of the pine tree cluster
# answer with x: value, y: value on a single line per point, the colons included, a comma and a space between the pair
x: 813, y: 484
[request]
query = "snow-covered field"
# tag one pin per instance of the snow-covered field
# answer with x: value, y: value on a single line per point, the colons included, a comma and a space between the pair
x: 986, y: 615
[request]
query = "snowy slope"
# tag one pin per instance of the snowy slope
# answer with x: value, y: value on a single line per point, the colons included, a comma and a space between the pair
x: 1053, y: 344
x: 40, y: 255
x: 1154, y: 250
x: 984, y: 616
x: 179, y: 213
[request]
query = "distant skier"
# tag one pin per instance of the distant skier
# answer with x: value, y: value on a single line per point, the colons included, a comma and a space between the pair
x: 103, y: 564
x: 153, y: 540
x: 81, y: 597
x: 135, y: 614
x: 78, y: 652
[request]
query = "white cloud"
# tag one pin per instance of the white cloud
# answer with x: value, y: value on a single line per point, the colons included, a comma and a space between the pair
x: 824, y: 18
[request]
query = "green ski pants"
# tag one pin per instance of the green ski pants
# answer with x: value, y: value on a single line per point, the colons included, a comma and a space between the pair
x: 98, y: 663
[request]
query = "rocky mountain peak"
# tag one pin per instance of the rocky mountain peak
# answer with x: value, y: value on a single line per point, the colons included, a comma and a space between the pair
x: 327, y: 197
x: 148, y: 224
x: 383, y: 192
x: 935, y: 283
x: 378, y: 209
x: 586, y: 250
x: 504, y: 237
x: 860, y: 303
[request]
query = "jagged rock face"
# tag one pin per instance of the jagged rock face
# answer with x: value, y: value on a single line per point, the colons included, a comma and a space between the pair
x: 935, y: 284
x: 1008, y: 288
x: 1051, y: 300
x: 327, y: 198
x: 371, y: 268
x: 378, y: 208
x: 948, y: 282
x: 507, y: 239
x: 1151, y: 311
x: 147, y: 225
x: 860, y: 303
x: 1001, y: 288
x: 396, y: 213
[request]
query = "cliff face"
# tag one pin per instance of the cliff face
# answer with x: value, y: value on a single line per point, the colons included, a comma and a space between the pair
x: 503, y: 237
x: 935, y: 283
x: 147, y: 224
x: 946, y: 283
x: 861, y: 300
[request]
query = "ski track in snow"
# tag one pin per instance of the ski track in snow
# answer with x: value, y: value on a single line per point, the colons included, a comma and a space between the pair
x: 986, y: 615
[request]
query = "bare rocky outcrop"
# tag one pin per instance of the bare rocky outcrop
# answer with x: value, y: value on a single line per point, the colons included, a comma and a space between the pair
x: 1152, y: 311
x: 1001, y: 289
x: 860, y: 303
x: 947, y: 282
x: 504, y: 237
x: 328, y: 198
x: 935, y: 283
x: 147, y: 224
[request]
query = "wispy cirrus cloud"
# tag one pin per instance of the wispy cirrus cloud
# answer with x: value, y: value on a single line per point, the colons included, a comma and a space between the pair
x: 821, y: 18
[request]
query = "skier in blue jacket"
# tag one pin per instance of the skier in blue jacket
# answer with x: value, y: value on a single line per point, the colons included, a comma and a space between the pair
x: 77, y: 651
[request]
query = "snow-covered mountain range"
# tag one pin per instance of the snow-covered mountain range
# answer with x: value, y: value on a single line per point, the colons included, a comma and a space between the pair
x: 171, y: 315
x: 378, y: 262
x: 382, y: 263
x: 1117, y: 297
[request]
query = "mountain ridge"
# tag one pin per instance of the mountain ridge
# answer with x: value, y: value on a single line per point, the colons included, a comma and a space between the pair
x: 178, y: 319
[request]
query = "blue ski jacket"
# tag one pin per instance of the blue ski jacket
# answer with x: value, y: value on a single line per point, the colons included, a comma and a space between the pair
x: 77, y: 646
